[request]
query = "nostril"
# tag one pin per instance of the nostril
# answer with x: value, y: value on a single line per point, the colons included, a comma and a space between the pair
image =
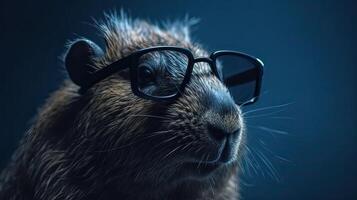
x: 218, y: 133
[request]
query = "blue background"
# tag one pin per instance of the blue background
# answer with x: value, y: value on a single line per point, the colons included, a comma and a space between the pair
x: 309, y: 50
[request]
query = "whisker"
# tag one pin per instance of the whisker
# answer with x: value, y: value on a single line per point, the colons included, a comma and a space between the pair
x: 266, y: 108
x: 282, y: 117
x: 201, y: 160
x: 270, y: 130
x: 283, y: 159
x: 187, y: 145
x: 172, y: 151
x: 255, y: 164
x: 153, y: 134
x: 264, y: 114
x: 150, y: 116
x: 271, y: 169
x: 165, y: 141
x: 264, y: 145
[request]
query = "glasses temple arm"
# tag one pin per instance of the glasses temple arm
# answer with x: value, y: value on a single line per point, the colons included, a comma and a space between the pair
x: 110, y: 69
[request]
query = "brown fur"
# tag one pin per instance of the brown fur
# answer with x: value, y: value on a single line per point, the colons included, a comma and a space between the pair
x: 110, y: 144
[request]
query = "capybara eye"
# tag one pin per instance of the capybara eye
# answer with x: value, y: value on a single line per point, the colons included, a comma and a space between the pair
x: 146, y: 74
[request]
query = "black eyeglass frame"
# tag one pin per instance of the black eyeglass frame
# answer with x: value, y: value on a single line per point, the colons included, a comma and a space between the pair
x: 131, y: 62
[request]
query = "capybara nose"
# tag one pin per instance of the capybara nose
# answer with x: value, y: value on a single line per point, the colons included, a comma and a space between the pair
x: 222, y: 116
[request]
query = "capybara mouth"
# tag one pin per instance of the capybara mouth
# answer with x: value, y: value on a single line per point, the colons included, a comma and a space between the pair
x: 222, y: 152
x: 221, y: 156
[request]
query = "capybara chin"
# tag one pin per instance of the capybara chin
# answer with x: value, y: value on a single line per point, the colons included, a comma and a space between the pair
x: 105, y: 142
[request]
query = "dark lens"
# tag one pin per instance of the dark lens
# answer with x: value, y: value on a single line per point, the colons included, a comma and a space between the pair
x: 240, y: 75
x: 161, y: 73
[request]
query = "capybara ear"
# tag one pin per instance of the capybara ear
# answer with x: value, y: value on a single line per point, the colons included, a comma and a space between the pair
x: 79, y: 61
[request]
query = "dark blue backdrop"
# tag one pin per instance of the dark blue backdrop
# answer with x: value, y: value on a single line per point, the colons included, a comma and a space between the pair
x: 309, y: 49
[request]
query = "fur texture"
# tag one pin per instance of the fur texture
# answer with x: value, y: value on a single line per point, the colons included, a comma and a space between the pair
x: 110, y: 144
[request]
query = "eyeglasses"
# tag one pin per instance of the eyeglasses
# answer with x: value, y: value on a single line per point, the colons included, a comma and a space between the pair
x: 161, y: 73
